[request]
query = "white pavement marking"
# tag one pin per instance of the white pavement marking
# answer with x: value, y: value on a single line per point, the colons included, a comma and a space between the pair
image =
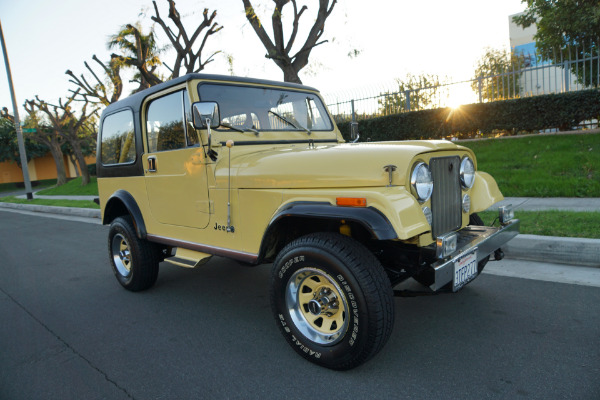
x: 585, y: 276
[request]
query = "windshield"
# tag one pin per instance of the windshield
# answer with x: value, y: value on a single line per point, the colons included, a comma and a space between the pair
x: 264, y: 109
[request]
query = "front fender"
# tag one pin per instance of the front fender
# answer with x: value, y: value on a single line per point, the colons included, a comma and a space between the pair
x: 370, y: 218
x: 484, y: 193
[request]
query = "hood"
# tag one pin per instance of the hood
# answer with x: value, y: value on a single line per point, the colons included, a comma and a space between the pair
x: 339, y: 165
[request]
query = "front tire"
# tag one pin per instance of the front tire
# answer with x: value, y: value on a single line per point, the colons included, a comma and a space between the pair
x: 322, y: 286
x: 134, y: 261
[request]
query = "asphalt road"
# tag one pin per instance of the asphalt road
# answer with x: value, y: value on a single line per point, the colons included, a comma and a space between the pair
x: 69, y: 331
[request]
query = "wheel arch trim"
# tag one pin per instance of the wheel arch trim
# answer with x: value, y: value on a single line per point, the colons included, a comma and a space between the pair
x: 122, y: 198
x: 373, y: 220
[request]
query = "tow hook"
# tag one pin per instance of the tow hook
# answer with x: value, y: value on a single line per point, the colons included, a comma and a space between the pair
x: 498, y: 255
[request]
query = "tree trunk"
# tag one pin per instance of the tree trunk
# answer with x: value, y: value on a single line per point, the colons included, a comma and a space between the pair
x: 57, y: 154
x: 291, y: 75
x: 73, y: 161
x: 85, y: 174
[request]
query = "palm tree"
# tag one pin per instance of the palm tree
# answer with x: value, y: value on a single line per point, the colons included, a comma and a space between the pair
x: 139, y: 51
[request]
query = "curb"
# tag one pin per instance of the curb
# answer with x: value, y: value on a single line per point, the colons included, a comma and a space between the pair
x: 555, y: 250
x: 552, y: 249
x: 72, y: 211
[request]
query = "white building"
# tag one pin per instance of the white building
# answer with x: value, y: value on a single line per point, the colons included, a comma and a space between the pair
x: 540, y: 77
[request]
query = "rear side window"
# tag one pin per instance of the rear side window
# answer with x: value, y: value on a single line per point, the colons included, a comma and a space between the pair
x: 118, y: 138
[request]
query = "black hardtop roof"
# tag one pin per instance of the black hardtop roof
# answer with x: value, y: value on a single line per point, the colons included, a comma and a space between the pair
x: 134, y: 101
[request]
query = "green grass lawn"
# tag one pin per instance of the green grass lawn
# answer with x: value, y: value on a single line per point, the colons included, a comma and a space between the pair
x: 542, y: 166
x: 73, y: 188
x: 554, y: 223
x: 58, y: 203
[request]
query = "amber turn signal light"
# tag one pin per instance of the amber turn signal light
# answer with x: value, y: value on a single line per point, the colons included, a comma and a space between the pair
x: 351, y: 201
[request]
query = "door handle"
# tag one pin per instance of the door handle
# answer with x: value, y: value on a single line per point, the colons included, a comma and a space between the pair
x: 151, y: 164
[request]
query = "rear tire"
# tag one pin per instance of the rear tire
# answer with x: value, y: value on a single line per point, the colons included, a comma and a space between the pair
x: 322, y: 285
x: 134, y: 261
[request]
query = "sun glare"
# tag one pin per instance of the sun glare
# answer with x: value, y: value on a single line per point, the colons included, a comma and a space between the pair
x: 459, y: 96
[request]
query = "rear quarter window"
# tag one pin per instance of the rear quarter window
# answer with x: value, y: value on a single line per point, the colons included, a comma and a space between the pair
x: 118, y: 138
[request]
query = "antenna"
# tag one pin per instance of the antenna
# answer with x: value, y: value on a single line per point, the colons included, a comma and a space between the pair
x: 230, y: 228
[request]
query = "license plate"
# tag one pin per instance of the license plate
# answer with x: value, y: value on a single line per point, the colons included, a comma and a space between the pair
x: 465, y: 270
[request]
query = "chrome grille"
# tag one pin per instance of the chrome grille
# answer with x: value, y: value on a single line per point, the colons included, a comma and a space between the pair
x: 445, y: 200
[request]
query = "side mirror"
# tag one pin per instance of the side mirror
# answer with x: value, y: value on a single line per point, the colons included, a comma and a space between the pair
x: 206, y: 115
x: 354, y: 131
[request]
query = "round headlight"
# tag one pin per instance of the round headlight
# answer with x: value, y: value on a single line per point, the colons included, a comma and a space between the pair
x: 422, y: 182
x: 467, y: 173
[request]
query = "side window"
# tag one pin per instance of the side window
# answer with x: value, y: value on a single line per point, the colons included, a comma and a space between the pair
x: 165, y: 123
x: 192, y: 136
x: 118, y: 138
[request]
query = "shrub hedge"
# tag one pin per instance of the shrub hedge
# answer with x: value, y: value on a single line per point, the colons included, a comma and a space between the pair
x: 563, y: 111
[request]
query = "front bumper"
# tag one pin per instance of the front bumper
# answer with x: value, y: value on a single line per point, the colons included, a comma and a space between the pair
x: 485, y: 239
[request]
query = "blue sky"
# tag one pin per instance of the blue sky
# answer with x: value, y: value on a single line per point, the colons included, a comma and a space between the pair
x: 394, y: 38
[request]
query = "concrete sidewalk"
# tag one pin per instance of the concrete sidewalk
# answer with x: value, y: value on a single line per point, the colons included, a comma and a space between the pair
x: 572, y: 251
x: 554, y: 249
x: 40, y: 196
x: 552, y: 203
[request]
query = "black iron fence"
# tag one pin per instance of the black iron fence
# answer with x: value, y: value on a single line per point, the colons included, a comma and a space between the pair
x: 565, y: 70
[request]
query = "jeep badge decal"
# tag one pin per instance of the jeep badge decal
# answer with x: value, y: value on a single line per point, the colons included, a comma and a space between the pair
x: 218, y: 227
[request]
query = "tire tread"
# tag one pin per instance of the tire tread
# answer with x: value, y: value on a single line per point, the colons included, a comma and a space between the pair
x: 143, y: 252
x: 374, y: 283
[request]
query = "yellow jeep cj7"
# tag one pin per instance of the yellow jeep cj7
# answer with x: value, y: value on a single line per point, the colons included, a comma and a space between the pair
x: 257, y: 171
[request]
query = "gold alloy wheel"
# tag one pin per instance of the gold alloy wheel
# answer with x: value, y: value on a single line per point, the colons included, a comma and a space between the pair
x: 121, y: 254
x: 317, y: 306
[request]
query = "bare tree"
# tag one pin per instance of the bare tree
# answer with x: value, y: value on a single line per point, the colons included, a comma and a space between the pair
x: 4, y: 114
x: 279, y: 51
x: 49, y: 137
x: 65, y: 127
x: 77, y: 132
x: 142, y: 52
x: 102, y: 91
x: 183, y: 44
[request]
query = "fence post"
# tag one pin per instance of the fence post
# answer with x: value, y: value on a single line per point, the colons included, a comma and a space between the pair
x: 480, y: 89
x: 353, y: 113
x: 407, y: 104
x: 567, y: 69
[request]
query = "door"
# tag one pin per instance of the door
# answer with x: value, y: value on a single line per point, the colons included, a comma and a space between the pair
x: 175, y: 164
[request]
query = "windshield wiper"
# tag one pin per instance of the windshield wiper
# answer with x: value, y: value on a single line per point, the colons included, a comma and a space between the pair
x: 290, y: 122
x: 235, y: 128
x: 228, y: 125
